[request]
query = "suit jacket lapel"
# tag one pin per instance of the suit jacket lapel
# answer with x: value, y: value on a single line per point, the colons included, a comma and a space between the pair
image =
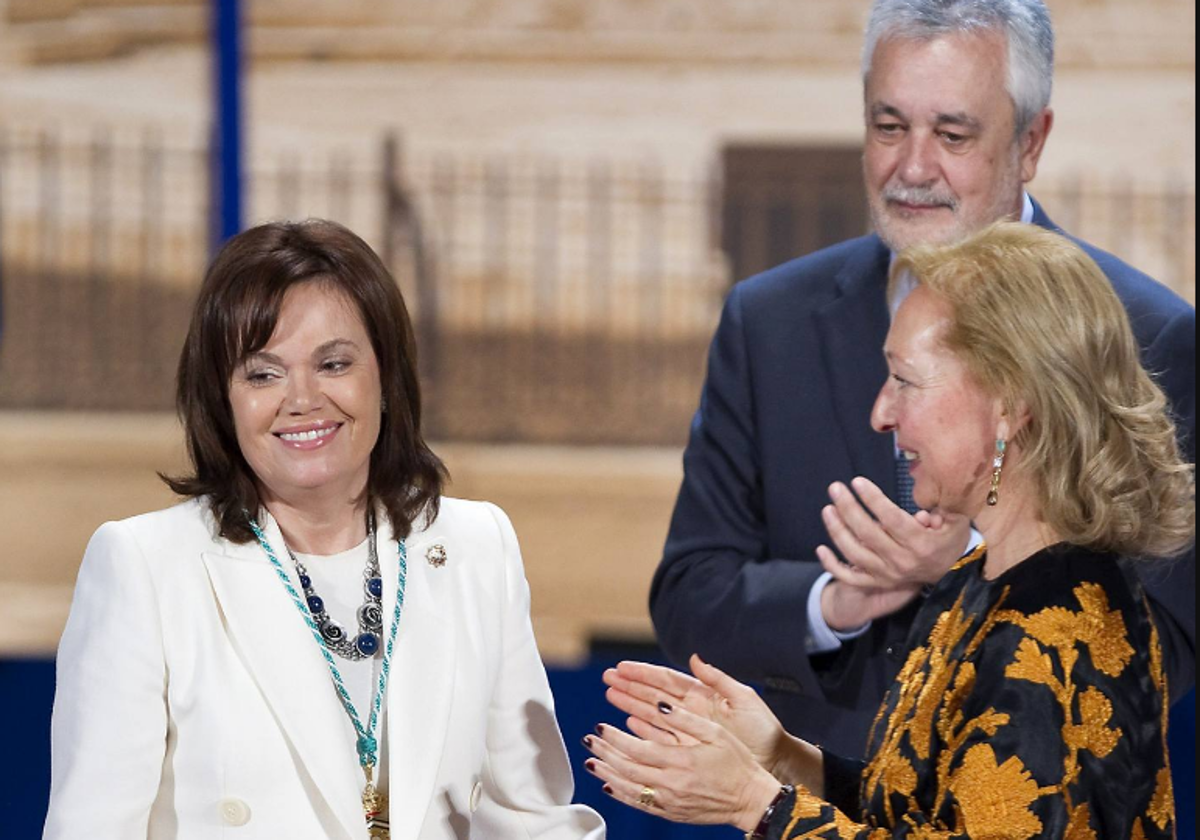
x: 852, y: 329
x: 284, y: 659
x: 421, y: 687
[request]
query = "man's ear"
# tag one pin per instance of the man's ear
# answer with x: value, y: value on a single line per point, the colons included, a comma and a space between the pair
x: 1033, y: 143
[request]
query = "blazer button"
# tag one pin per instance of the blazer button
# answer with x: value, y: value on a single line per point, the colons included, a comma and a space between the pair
x: 476, y: 796
x: 234, y: 811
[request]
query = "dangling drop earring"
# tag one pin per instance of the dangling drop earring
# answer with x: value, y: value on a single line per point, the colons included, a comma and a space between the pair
x: 997, y: 466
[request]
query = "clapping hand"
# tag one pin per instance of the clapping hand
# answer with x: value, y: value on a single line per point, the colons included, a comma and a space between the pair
x: 637, y: 689
x: 686, y: 766
x: 889, y: 553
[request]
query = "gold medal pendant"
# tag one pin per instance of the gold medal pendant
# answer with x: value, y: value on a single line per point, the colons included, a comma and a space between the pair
x: 377, y: 828
x: 375, y: 809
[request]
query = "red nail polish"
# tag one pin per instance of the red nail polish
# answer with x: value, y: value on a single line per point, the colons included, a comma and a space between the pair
x: 665, y: 708
x: 608, y: 789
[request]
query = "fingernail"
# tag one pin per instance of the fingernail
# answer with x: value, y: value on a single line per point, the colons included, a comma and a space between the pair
x: 590, y: 764
x: 600, y: 730
x: 665, y: 708
x: 608, y: 789
x: 587, y: 742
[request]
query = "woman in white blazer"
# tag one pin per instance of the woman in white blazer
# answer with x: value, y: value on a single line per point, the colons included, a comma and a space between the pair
x: 355, y: 658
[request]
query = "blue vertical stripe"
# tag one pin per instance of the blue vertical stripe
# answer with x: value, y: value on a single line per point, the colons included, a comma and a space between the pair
x: 227, y: 129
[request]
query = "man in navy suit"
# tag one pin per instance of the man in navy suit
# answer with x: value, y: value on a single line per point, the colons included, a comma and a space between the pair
x: 957, y: 113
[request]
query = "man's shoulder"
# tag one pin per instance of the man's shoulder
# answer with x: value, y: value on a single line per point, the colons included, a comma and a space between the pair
x: 817, y: 277
x: 1143, y: 296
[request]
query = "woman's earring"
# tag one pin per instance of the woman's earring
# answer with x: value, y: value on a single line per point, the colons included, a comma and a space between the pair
x: 383, y: 405
x: 997, y: 466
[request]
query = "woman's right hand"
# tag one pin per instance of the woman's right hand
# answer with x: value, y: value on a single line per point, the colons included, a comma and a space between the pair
x: 637, y: 689
x: 706, y: 777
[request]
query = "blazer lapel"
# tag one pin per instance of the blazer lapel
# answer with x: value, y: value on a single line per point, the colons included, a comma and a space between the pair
x: 421, y: 685
x: 284, y: 659
x: 852, y: 328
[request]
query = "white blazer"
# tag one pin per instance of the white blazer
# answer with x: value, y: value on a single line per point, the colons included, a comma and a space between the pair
x: 193, y: 702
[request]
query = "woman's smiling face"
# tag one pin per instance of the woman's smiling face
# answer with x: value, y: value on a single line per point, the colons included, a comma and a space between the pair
x: 944, y: 423
x: 307, y: 406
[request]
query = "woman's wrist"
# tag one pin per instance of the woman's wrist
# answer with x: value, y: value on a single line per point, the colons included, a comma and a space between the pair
x: 797, y: 762
x: 762, y: 792
x: 778, y: 758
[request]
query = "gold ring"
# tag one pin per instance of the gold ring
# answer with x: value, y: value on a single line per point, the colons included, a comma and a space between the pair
x: 646, y: 800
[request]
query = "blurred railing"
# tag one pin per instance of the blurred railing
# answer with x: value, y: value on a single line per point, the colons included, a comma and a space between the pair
x: 1151, y: 225
x: 574, y: 300
x: 557, y: 299
x: 101, y: 244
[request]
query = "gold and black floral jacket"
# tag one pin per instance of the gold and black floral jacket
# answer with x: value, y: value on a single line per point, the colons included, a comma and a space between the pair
x: 1033, y: 705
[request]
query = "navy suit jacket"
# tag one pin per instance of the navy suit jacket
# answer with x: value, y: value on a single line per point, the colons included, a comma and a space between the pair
x: 793, y: 372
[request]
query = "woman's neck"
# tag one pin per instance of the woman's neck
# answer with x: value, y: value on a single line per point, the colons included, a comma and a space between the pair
x: 1013, y: 531
x: 320, y: 527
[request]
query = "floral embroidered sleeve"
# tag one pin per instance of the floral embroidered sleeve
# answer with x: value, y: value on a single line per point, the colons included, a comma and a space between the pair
x: 1015, y: 723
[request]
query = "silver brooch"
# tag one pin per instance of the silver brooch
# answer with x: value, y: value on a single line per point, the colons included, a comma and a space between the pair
x: 436, y: 555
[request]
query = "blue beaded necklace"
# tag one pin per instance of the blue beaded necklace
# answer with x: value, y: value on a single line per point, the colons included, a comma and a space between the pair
x: 374, y: 803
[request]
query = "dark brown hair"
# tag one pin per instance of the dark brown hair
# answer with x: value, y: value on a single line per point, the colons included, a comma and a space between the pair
x: 235, y: 316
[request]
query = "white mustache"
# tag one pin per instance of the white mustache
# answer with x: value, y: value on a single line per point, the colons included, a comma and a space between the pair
x: 920, y: 196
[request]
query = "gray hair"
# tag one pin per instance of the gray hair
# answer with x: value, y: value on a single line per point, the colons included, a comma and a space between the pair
x: 1025, y: 23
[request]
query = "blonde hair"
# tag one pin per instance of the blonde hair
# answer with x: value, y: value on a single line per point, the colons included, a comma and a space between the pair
x: 1038, y: 324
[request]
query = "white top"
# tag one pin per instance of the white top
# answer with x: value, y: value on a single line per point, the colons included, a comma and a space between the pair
x: 338, y: 580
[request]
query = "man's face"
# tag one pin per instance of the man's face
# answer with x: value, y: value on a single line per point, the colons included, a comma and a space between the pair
x: 942, y: 159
